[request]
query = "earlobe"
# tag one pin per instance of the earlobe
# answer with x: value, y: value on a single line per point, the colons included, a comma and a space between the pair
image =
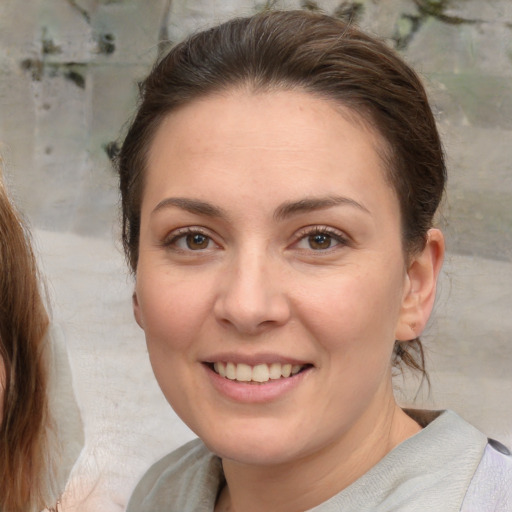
x: 136, y: 310
x: 420, y: 288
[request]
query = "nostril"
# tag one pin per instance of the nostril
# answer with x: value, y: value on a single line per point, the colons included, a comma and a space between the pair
x: 249, y: 300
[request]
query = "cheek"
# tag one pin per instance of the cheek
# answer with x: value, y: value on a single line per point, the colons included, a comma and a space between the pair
x: 355, y: 315
x: 172, y: 310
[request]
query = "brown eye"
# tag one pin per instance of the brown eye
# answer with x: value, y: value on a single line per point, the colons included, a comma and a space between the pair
x: 320, y: 241
x: 197, y: 241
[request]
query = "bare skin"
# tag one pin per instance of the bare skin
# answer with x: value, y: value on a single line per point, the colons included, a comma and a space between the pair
x: 270, y: 236
x: 256, y: 489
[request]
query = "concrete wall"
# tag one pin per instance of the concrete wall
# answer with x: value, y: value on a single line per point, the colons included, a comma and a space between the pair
x: 68, y: 82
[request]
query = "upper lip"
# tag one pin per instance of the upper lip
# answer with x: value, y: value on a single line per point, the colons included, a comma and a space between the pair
x: 253, y: 359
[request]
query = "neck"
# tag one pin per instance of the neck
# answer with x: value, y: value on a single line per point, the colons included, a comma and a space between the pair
x: 320, y: 475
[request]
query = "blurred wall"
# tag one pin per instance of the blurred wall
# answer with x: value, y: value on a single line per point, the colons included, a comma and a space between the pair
x: 69, y: 70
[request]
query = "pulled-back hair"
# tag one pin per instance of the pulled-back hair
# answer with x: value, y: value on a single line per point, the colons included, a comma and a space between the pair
x: 25, y: 473
x: 318, y: 54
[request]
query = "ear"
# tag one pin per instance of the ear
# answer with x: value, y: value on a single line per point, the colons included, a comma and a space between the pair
x: 137, y: 313
x: 420, y: 287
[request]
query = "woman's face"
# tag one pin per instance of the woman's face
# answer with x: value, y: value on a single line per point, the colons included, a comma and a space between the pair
x: 270, y: 243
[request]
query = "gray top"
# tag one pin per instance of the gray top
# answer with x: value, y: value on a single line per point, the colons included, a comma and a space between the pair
x: 429, y: 472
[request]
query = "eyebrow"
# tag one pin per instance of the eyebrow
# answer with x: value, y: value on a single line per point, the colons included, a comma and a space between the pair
x: 190, y: 205
x: 309, y: 204
x: 284, y: 211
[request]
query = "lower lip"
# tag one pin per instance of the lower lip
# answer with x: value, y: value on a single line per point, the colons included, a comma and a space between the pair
x: 255, y: 392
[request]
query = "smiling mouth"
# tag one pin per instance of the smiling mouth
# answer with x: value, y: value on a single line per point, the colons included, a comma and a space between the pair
x: 259, y: 373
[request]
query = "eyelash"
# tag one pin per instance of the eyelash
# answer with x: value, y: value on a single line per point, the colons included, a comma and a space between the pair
x: 182, y: 233
x: 305, y: 233
x: 333, y: 234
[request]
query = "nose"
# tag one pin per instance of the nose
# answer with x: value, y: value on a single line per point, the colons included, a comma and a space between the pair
x: 251, y: 297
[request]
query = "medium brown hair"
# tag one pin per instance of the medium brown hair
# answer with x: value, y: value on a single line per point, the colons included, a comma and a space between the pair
x: 317, y: 54
x: 25, y: 475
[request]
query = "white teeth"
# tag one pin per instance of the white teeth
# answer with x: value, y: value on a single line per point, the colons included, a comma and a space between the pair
x: 296, y: 369
x: 260, y: 373
x: 243, y: 372
x: 275, y: 371
x: 286, y: 370
x: 231, y: 371
x: 220, y: 368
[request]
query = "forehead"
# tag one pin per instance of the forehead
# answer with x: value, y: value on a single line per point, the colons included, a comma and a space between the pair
x: 249, y: 139
x: 241, y: 107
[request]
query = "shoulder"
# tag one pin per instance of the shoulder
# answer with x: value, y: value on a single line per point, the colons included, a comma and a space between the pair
x: 428, y: 472
x: 490, y: 489
x: 182, y: 480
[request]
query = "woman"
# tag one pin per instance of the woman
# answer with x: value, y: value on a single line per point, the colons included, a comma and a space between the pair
x: 26, y: 481
x: 279, y: 184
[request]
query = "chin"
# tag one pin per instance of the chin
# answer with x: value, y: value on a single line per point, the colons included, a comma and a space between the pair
x: 253, y: 455
x: 255, y: 444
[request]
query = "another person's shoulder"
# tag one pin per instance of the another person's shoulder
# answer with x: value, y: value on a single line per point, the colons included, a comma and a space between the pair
x: 490, y: 489
x: 184, y: 480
